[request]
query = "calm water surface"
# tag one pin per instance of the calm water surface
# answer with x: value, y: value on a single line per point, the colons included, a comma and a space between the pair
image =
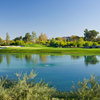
x: 59, y: 71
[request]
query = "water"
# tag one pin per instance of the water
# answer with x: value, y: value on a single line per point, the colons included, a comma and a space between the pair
x: 60, y: 71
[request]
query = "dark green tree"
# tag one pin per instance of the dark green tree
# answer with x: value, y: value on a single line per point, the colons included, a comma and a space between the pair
x: 53, y: 42
x: 18, y: 38
x: 7, y: 38
x: 0, y: 40
x: 27, y: 37
x: 90, y: 35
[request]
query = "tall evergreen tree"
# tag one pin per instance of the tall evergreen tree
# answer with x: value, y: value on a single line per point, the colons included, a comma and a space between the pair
x: 7, y: 38
x: 27, y: 37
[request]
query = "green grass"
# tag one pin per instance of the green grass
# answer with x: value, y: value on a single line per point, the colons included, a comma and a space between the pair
x: 77, y: 51
x: 35, y: 45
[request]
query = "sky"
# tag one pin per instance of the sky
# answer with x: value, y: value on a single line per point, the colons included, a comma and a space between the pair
x: 56, y: 18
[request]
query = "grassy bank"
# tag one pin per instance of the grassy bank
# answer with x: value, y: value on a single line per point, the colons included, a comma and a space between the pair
x: 50, y: 50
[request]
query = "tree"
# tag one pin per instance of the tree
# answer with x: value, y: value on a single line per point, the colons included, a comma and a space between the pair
x: 80, y: 42
x: 94, y: 44
x: 27, y: 37
x: 90, y: 35
x: 98, y: 38
x: 34, y: 37
x: 0, y: 40
x: 74, y: 38
x: 17, y: 42
x: 41, y: 37
x: 53, y: 42
x: 59, y: 38
x: 45, y: 37
x: 18, y: 38
x: 7, y: 38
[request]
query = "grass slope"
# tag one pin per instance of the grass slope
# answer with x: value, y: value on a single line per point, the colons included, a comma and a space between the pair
x: 50, y: 50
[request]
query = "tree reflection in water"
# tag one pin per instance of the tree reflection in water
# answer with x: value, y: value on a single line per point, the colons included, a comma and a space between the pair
x: 75, y: 57
x: 1, y: 58
x: 28, y: 57
x: 19, y: 56
x: 8, y: 59
x: 43, y: 58
x: 35, y: 59
x: 90, y: 60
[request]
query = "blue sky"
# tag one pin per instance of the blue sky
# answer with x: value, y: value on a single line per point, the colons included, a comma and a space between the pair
x: 53, y: 17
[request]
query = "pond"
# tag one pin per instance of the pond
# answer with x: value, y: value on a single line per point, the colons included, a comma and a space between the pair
x: 59, y: 70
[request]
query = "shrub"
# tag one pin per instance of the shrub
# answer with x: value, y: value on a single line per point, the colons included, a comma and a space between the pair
x: 98, y: 42
x: 25, y: 89
x: 95, y: 44
x: 29, y: 43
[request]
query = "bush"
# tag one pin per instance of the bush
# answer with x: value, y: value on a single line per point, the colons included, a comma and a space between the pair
x: 95, y: 44
x: 12, y: 42
x: 98, y: 42
x: 25, y: 89
x: 4, y: 44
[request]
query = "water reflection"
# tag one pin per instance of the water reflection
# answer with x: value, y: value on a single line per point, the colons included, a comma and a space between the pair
x: 43, y: 58
x: 8, y: 56
x: 35, y: 59
x: 1, y: 59
x: 90, y: 60
x: 19, y: 56
x: 76, y: 57
x: 28, y: 58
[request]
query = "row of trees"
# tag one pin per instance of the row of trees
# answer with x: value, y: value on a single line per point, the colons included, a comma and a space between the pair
x: 32, y: 38
x: 90, y: 38
x: 27, y: 39
x: 79, y: 43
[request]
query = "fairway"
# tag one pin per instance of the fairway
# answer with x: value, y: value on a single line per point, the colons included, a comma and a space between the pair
x: 50, y: 50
